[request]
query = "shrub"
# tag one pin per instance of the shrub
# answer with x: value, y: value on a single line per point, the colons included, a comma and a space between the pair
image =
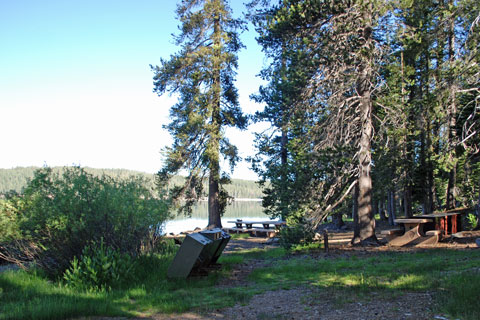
x: 298, y: 233
x: 99, y: 268
x: 8, y: 221
x: 472, y: 221
x: 62, y: 214
x: 9, y: 228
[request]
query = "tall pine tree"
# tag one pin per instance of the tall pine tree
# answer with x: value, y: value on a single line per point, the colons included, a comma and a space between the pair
x: 202, y: 74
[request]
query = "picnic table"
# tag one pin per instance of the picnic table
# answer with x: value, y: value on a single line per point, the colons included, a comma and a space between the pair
x: 426, y: 228
x: 249, y: 223
x: 449, y: 222
x: 414, y: 233
x: 249, y: 227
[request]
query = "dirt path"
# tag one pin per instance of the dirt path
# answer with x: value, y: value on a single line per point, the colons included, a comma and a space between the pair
x: 315, y: 303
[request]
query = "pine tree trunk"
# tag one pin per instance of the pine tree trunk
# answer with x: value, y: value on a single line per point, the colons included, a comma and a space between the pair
x: 214, y: 220
x: 392, y: 214
x: 284, y: 153
x: 383, y: 217
x: 366, y: 220
x: 355, y: 209
x: 365, y: 228
x: 452, y: 114
x: 338, y: 220
x: 374, y: 206
x: 407, y: 201
x: 477, y: 209
x: 423, y: 165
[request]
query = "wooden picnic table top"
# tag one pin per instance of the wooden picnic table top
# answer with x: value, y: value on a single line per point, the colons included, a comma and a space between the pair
x: 439, y: 214
x: 274, y: 222
x: 412, y: 220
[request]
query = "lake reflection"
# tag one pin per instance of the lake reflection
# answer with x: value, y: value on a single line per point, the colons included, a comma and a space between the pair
x: 251, y: 210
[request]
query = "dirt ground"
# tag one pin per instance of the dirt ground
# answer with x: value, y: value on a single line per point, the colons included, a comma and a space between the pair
x: 315, y: 303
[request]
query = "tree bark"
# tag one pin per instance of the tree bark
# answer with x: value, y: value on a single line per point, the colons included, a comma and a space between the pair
x: 452, y: 114
x: 355, y: 208
x: 383, y: 217
x: 407, y: 201
x: 338, y: 220
x: 366, y: 220
x: 392, y: 214
x: 214, y: 220
x: 365, y: 231
x: 477, y: 209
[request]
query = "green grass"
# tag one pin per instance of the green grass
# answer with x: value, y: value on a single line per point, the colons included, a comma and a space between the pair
x: 239, y: 236
x: 453, y: 277
x: 25, y: 295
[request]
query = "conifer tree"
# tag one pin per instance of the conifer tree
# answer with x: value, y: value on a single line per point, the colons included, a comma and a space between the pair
x: 202, y: 74
x: 339, y: 61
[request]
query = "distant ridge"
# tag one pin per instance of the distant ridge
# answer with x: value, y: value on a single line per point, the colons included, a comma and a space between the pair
x: 17, y: 178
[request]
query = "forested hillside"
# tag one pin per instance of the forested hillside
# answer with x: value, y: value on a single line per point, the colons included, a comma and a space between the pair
x: 16, y: 179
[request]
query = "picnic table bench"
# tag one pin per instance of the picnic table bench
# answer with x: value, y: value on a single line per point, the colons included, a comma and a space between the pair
x: 414, y: 233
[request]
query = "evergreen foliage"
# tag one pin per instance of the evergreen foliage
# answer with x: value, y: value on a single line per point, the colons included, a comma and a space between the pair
x: 202, y: 74
x: 399, y: 80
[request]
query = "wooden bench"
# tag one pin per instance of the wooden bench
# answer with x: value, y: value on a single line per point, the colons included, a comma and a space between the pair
x: 433, y: 232
x: 270, y: 233
x: 391, y: 233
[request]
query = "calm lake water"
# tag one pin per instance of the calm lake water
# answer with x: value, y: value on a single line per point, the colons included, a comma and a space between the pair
x: 251, y: 210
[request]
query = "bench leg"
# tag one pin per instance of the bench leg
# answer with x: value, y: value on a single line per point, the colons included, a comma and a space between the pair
x: 427, y: 241
x: 408, y: 237
x: 404, y: 239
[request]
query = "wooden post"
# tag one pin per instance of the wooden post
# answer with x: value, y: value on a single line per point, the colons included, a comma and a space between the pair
x: 325, y: 240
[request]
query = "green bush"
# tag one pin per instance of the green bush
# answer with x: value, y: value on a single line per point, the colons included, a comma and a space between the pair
x: 472, y: 221
x: 296, y: 234
x: 99, y: 268
x: 8, y: 221
x: 61, y: 214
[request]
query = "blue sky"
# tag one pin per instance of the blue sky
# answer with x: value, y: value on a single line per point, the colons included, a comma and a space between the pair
x: 76, y: 87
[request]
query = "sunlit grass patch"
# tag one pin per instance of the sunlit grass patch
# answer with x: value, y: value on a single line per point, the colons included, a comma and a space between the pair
x: 236, y: 236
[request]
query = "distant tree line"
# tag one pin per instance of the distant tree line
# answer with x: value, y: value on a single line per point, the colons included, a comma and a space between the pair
x: 16, y: 179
